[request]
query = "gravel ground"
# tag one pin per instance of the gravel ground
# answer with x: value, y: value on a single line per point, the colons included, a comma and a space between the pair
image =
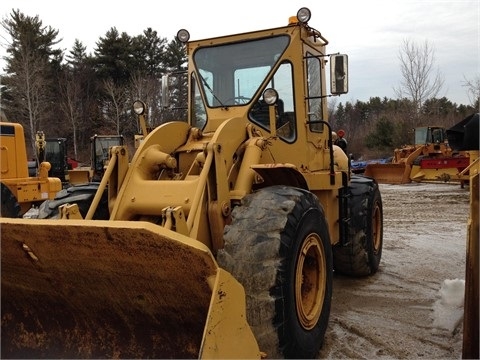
x: 398, y: 312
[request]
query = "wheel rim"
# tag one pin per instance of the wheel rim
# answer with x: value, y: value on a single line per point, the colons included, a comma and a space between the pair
x: 310, y: 281
x: 377, y: 228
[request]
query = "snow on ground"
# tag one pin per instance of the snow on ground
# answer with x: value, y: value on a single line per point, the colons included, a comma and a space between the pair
x: 448, y: 309
x: 413, y: 306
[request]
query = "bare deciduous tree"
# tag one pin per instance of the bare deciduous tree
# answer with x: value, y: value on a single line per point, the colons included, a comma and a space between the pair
x: 473, y: 90
x: 147, y: 89
x: 116, y: 104
x: 420, y: 81
x: 32, y: 91
x: 71, y: 105
x: 30, y: 70
x: 332, y: 106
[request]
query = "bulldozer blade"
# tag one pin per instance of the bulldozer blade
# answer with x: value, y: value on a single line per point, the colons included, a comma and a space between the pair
x: 389, y: 173
x: 116, y: 289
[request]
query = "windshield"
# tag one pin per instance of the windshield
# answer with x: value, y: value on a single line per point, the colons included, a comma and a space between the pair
x: 421, y: 136
x: 102, y: 146
x: 231, y: 74
x: 54, y: 153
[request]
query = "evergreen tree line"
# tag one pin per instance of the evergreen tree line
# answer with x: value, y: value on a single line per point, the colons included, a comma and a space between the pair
x: 76, y: 95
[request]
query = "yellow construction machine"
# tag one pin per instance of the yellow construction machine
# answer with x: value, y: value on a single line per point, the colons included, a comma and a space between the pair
x: 53, y: 150
x: 99, y: 147
x: 470, y: 348
x: 84, y: 181
x: 430, y: 159
x: 465, y: 135
x: 224, y: 230
x: 19, y: 190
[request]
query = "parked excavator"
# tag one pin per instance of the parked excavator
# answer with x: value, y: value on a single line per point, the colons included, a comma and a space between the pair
x: 430, y: 159
x: 19, y: 190
x: 224, y: 229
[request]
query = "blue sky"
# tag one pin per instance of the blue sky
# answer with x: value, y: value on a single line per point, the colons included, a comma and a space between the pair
x: 370, y: 32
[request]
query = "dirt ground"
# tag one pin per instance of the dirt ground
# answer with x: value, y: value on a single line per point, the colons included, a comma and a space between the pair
x: 395, y: 313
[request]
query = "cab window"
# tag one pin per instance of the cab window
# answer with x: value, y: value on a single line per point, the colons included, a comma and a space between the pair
x: 314, y: 88
x: 198, y: 114
x: 282, y: 81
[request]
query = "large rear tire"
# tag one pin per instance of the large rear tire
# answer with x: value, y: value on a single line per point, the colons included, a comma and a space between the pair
x: 362, y: 253
x: 82, y: 195
x: 278, y: 247
x: 10, y: 208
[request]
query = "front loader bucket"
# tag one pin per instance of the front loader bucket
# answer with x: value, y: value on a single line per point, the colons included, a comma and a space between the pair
x: 80, y: 176
x: 116, y: 289
x: 389, y: 173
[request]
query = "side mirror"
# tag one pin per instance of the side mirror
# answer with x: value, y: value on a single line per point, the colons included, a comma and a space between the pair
x: 339, y: 74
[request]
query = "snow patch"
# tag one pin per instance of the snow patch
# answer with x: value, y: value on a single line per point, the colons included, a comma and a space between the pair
x: 448, y: 309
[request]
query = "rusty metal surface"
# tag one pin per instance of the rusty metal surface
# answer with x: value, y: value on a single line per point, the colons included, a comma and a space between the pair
x: 106, y: 290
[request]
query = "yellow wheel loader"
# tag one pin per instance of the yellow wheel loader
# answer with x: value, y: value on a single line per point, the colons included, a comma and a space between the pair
x: 430, y: 159
x: 224, y: 230
x: 19, y: 190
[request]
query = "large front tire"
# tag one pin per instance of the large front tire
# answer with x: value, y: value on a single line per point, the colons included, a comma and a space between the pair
x: 278, y: 247
x: 82, y: 195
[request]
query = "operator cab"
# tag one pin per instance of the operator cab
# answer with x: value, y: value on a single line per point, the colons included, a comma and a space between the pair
x: 232, y: 73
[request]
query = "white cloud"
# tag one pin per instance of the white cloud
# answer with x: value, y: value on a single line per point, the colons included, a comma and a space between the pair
x: 370, y: 31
